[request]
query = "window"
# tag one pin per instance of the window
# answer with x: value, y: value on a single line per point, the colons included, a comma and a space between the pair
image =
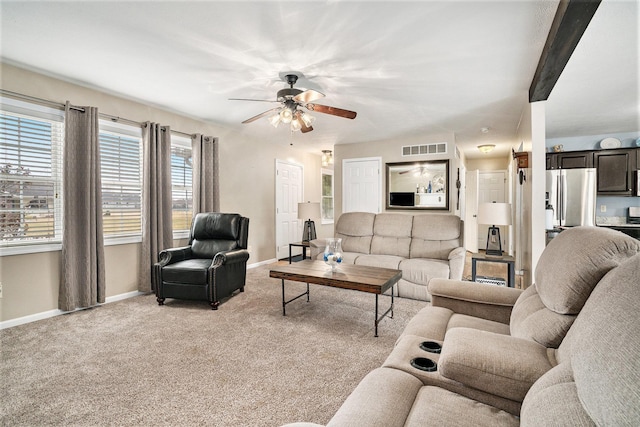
x: 121, y: 173
x: 181, y: 186
x: 327, y: 196
x: 30, y: 177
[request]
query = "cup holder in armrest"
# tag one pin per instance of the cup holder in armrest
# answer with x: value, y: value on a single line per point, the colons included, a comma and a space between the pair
x: 424, y: 364
x: 431, y: 346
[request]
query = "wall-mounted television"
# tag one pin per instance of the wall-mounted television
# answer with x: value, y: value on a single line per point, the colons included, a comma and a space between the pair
x: 402, y: 199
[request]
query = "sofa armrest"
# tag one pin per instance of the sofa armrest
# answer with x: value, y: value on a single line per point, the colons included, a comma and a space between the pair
x: 316, y: 247
x: 456, y: 263
x: 173, y: 255
x: 474, y: 299
x: 498, y: 364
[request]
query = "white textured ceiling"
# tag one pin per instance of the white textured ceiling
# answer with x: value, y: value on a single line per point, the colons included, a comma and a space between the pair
x: 407, y: 68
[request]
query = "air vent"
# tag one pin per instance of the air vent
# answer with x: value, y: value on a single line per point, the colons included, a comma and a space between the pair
x: 421, y: 150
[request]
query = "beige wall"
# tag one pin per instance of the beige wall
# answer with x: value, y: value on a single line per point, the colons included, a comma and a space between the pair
x: 247, y: 186
x: 488, y: 164
x: 391, y: 151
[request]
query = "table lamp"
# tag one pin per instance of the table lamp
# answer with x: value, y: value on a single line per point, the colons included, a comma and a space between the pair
x: 308, y: 210
x: 494, y: 214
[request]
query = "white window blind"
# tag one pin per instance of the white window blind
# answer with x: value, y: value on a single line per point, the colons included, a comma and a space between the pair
x: 121, y: 173
x: 31, y: 138
x: 181, y: 184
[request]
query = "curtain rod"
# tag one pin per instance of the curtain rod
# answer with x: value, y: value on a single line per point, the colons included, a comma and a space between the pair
x: 61, y: 106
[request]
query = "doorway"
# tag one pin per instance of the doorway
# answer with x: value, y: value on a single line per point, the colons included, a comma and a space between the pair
x: 492, y: 188
x: 289, y: 192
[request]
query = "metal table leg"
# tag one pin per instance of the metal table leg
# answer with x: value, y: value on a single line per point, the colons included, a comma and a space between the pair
x: 378, y: 319
x: 284, y: 303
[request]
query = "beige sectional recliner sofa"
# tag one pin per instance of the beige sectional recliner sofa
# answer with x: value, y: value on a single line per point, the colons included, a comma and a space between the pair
x: 423, y: 246
x: 566, y: 353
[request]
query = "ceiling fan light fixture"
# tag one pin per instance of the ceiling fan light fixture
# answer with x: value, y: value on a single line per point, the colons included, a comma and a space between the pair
x: 275, y: 120
x: 307, y: 118
x: 286, y: 115
x: 296, y: 125
x: 486, y: 148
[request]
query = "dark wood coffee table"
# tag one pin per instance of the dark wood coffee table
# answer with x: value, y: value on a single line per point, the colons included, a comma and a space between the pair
x: 355, y: 277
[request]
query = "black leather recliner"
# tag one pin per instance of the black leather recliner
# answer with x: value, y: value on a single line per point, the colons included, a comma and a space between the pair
x: 212, y: 267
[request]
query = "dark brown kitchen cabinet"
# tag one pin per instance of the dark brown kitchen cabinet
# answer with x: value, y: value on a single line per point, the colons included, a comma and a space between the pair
x: 551, y: 161
x: 570, y: 160
x: 615, y: 171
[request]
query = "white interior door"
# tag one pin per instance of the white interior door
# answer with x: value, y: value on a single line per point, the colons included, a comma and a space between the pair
x: 289, y: 192
x: 361, y: 185
x: 471, y: 211
x: 492, y: 188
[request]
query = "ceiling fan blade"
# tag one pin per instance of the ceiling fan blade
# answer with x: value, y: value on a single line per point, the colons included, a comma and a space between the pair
x: 305, y: 128
x: 266, y: 113
x: 332, y: 110
x: 258, y: 100
x: 308, y: 96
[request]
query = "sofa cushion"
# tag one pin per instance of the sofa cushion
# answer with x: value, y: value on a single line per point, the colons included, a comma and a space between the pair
x: 383, y: 398
x: 347, y: 257
x: 497, y: 364
x: 435, y: 236
x: 382, y: 261
x: 356, y: 230
x: 464, y: 321
x: 603, y: 346
x: 430, y: 322
x: 435, y: 406
x: 575, y: 261
x: 553, y: 401
x: 531, y: 319
x: 420, y: 271
x: 191, y: 271
x: 391, y: 234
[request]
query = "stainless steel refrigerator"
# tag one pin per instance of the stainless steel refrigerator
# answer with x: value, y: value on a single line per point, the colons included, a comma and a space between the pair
x: 572, y: 194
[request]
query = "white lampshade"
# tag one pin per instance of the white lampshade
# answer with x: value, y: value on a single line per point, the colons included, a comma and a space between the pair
x: 308, y: 210
x: 494, y: 213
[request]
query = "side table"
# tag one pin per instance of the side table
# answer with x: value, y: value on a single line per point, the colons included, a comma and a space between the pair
x: 303, y: 245
x: 509, y: 260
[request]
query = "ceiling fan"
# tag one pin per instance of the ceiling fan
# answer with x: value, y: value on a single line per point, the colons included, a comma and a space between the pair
x: 290, y: 113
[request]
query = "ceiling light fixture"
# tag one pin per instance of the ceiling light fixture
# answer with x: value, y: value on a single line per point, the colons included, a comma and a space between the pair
x: 486, y: 148
x: 286, y: 115
x: 275, y: 120
x: 327, y: 157
x: 296, y: 118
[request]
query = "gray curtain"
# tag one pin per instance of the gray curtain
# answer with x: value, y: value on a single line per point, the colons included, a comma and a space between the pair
x: 157, y: 230
x: 82, y: 282
x: 206, y: 188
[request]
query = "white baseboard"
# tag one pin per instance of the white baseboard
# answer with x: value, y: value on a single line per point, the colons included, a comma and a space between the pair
x: 258, y: 264
x: 123, y: 296
x: 57, y: 312
x: 31, y: 318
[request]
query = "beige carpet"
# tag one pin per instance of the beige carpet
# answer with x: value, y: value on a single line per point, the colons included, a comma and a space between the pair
x: 134, y: 363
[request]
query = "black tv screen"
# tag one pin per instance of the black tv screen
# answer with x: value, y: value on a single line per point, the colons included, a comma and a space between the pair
x: 401, y: 199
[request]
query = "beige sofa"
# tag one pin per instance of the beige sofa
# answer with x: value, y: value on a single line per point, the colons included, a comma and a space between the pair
x: 569, y: 356
x: 423, y: 246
